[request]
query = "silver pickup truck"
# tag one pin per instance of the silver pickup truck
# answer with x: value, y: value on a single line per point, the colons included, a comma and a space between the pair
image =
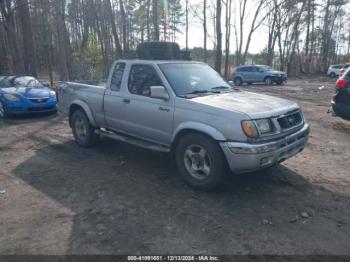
x: 187, y: 109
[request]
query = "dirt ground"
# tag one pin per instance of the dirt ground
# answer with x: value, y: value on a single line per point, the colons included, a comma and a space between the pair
x: 119, y: 199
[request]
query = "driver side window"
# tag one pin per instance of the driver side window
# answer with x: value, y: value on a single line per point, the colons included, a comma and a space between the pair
x: 141, y: 78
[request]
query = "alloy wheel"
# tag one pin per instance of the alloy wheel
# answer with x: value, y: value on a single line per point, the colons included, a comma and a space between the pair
x: 197, y: 162
x: 2, y: 110
x: 80, y: 128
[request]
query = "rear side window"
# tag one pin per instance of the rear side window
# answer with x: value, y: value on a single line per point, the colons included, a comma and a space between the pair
x: 117, y: 76
x: 141, y: 78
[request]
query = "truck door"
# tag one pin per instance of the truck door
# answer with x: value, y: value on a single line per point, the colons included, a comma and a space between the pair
x: 113, y: 100
x: 143, y: 116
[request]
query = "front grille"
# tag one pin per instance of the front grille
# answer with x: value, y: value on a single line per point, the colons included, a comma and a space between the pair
x: 38, y: 100
x: 38, y: 109
x: 290, y: 121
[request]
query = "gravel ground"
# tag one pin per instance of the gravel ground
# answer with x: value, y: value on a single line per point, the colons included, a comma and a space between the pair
x: 119, y: 199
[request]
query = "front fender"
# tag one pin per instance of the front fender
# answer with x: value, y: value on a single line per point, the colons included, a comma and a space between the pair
x: 200, y: 127
x: 86, y: 109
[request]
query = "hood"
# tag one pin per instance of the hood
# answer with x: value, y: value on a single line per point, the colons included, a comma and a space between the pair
x: 277, y: 72
x: 27, y: 92
x: 253, y: 104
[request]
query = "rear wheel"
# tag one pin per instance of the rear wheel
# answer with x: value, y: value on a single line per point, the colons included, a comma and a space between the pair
x: 83, y: 131
x: 201, y: 162
x: 238, y: 81
x: 332, y: 75
x: 3, y: 113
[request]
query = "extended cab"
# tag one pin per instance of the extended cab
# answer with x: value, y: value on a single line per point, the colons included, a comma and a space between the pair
x: 187, y: 109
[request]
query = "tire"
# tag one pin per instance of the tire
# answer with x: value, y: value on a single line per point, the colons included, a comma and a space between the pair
x: 279, y: 82
x: 83, y: 131
x: 210, y: 170
x: 332, y: 75
x: 268, y: 81
x: 3, y: 113
x: 238, y: 81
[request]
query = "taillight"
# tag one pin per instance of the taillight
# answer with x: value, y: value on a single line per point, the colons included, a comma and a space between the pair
x: 342, y: 71
x: 341, y: 83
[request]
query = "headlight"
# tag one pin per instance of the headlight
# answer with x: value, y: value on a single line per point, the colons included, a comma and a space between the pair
x: 52, y: 94
x: 12, y: 98
x: 249, y: 129
x: 264, y: 126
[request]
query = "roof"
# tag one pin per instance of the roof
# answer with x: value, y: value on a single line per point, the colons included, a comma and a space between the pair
x: 142, y: 61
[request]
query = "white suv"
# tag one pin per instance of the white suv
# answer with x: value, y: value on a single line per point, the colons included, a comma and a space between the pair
x: 334, y: 70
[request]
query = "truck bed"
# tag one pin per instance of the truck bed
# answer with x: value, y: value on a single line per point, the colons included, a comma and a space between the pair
x: 92, y: 95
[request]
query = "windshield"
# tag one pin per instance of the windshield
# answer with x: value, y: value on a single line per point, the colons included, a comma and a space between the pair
x: 21, y: 81
x: 265, y: 68
x: 193, y: 78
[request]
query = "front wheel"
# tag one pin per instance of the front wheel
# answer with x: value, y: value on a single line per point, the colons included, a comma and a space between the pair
x: 83, y: 131
x: 238, y: 81
x: 279, y: 82
x: 3, y: 113
x: 268, y: 81
x: 201, y: 162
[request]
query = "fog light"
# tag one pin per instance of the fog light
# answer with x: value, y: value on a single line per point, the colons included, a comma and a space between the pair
x: 266, y: 161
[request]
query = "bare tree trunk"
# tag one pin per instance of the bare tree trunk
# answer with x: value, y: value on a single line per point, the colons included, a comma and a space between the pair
x: 124, y: 22
x: 218, y: 37
x: 118, y: 46
x: 60, y: 27
x: 9, y: 26
x: 228, y: 36
x: 155, y: 20
x: 253, y: 27
x: 205, y: 31
x: 28, y: 43
x: 186, y: 11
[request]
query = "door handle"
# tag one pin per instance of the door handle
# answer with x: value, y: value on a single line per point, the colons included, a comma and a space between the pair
x: 126, y: 101
x: 164, y: 109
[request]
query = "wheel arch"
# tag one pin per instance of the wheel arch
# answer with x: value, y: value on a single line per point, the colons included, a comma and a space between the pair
x: 192, y: 127
x: 78, y: 104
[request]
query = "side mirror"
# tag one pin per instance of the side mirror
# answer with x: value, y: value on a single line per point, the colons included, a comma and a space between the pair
x: 159, y: 92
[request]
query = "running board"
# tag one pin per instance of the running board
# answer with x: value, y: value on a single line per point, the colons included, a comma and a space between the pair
x: 133, y: 141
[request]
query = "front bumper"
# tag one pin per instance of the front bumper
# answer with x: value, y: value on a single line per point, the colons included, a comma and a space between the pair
x: 26, y: 107
x: 259, y: 156
x: 280, y: 78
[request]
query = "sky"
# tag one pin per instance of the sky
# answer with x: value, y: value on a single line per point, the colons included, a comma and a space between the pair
x: 259, y: 38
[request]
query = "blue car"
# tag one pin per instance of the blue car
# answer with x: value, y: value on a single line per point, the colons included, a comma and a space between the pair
x: 25, y: 95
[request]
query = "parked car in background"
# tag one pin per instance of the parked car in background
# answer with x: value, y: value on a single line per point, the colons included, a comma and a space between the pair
x: 341, y: 100
x: 25, y: 95
x: 258, y: 74
x: 335, y: 70
x: 344, y: 68
x: 187, y: 109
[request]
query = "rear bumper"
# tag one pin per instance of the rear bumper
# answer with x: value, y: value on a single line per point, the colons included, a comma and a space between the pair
x: 341, y: 110
x: 244, y: 157
x: 19, y: 108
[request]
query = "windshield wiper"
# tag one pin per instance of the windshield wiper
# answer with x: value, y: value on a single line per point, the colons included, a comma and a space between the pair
x: 220, y: 88
x: 226, y: 88
x: 198, y: 92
